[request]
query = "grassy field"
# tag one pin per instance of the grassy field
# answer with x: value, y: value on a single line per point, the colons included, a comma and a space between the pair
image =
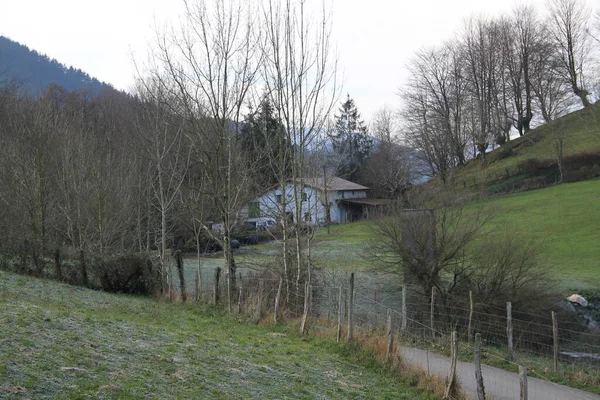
x: 65, y: 342
x: 581, y: 134
x: 564, y: 218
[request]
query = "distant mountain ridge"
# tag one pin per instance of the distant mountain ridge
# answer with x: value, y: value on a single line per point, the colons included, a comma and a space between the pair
x: 35, y: 71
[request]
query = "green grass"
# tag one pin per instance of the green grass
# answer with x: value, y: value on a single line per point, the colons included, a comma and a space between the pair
x: 564, y: 218
x: 64, y: 342
x: 581, y: 134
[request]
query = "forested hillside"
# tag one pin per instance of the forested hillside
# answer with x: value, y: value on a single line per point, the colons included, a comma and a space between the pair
x: 34, y: 71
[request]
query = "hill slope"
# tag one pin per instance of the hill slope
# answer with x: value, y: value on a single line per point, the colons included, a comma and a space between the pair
x: 36, y: 71
x: 59, y: 341
x: 530, y: 162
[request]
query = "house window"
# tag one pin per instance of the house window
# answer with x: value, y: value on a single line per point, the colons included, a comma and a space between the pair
x: 253, y: 209
x: 278, y: 197
x: 304, y: 196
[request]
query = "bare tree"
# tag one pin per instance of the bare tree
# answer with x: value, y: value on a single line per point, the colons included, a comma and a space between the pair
x: 483, y: 70
x: 520, y: 40
x: 209, y: 66
x: 569, y: 28
x: 163, y: 146
x: 552, y: 95
x: 300, y: 76
x: 388, y: 169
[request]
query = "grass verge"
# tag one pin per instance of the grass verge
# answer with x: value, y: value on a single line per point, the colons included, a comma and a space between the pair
x: 64, y: 342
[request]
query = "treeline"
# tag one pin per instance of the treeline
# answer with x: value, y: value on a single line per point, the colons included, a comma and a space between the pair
x: 496, y: 76
x: 231, y: 102
x: 36, y: 71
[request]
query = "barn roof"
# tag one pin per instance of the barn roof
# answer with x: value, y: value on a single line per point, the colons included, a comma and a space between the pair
x: 333, y: 184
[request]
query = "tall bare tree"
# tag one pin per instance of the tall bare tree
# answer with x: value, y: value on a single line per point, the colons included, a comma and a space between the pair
x: 162, y: 141
x: 299, y: 73
x: 569, y: 21
x: 209, y: 66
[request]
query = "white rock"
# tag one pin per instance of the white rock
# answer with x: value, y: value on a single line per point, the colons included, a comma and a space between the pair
x: 575, y: 298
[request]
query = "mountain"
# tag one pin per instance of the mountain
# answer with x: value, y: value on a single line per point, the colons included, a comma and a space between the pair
x: 35, y: 71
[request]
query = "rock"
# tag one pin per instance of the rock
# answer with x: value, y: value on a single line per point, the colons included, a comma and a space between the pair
x: 566, y: 306
x: 575, y: 298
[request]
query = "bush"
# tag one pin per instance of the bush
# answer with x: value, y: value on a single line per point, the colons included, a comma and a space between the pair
x: 131, y: 274
x: 534, y: 165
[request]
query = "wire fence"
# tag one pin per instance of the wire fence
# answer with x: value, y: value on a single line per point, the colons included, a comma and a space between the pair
x: 338, y: 305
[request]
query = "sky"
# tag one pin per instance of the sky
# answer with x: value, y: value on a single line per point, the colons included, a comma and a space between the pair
x: 374, y: 39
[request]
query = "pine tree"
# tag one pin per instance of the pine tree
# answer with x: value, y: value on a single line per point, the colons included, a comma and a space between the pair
x: 351, y: 141
x: 265, y: 146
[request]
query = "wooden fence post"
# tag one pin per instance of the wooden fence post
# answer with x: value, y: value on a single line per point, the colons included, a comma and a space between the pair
x: 180, y: 267
x: 404, y: 312
x: 351, y: 307
x: 390, y: 335
x: 451, y: 388
x: 57, y: 265
x: 84, y: 274
x: 374, y: 305
x: 197, y: 283
x: 216, y: 289
x: 432, y: 312
x: 469, y: 329
x: 478, y: 374
x: 259, y: 302
x: 239, y: 302
x: 340, y: 314
x: 555, y: 340
x: 306, y: 307
x: 523, y: 382
x: 509, y: 331
x: 277, y: 300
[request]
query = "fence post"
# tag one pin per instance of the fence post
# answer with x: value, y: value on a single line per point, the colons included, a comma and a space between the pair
x: 451, y: 388
x: 432, y: 312
x: 469, y: 331
x: 57, y: 265
x: 555, y: 340
x: 277, y: 300
x: 404, y: 313
x: 390, y: 335
x: 374, y: 305
x: 351, y: 307
x: 340, y: 314
x: 306, y: 307
x: 478, y: 374
x: 180, y: 267
x: 259, y: 302
x: 509, y: 331
x: 216, y: 289
x: 239, y: 305
x: 523, y: 382
x: 197, y: 284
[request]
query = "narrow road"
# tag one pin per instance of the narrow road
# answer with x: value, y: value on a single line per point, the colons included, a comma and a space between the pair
x: 499, y: 384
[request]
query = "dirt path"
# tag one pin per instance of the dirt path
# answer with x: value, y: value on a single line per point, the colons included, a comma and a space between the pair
x: 499, y: 384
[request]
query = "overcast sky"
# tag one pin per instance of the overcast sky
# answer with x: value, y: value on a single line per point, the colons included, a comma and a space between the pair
x: 375, y: 39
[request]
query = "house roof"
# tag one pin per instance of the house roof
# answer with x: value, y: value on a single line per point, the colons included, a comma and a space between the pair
x: 334, y: 183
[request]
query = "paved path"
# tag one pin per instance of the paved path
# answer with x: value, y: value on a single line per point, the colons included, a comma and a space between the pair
x: 499, y: 384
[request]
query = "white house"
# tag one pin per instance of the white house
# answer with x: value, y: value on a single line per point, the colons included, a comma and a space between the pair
x: 347, y: 201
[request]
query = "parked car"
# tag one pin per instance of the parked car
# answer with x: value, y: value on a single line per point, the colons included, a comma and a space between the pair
x: 260, y: 224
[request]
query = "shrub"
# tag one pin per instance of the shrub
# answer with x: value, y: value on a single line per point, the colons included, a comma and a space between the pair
x: 534, y: 165
x: 132, y: 274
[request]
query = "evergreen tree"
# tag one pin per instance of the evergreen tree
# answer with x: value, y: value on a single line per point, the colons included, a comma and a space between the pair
x: 351, y: 141
x: 265, y: 146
